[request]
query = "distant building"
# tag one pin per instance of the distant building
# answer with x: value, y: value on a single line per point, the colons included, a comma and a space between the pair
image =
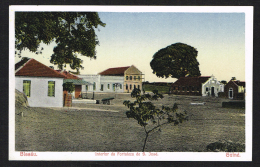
x: 235, y: 89
x: 197, y: 86
x: 212, y: 87
x: 119, y: 79
x: 76, y: 81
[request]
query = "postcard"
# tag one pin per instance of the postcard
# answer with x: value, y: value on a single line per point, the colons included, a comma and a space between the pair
x: 132, y: 83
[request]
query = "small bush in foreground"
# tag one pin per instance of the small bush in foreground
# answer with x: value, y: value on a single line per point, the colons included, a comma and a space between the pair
x: 226, y: 146
x: 147, y: 114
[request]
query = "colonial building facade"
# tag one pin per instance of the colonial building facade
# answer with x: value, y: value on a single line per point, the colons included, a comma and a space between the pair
x: 235, y: 90
x: 119, y: 79
x: 197, y: 86
x: 41, y: 84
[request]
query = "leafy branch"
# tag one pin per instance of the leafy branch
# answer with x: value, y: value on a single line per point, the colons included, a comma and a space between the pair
x: 146, y: 113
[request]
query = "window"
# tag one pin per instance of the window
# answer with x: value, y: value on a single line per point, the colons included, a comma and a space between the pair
x: 207, y: 89
x: 130, y: 87
x: 134, y: 77
x: 102, y: 87
x: 131, y: 77
x: 94, y: 86
x: 86, y: 87
x: 114, y: 87
x: 108, y: 86
x: 139, y: 78
x: 27, y: 88
x: 138, y: 86
x: 126, y: 86
x: 51, y: 88
x: 120, y: 86
x: 126, y: 77
x: 134, y: 87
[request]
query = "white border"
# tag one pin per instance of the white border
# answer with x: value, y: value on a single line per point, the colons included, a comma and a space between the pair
x: 163, y: 156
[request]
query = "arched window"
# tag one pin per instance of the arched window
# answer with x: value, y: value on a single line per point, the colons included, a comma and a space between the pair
x: 134, y: 87
x: 230, y: 93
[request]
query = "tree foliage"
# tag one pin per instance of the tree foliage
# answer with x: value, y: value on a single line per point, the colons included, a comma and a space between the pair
x: 176, y: 60
x: 73, y: 32
x: 68, y: 86
x: 148, y: 115
x: 224, y: 82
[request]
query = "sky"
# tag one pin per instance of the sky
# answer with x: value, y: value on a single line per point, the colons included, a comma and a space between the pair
x: 132, y: 38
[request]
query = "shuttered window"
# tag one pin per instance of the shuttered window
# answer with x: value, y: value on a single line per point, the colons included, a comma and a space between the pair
x: 51, y: 88
x: 27, y: 87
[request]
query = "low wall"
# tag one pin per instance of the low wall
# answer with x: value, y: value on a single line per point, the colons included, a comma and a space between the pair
x: 234, y: 104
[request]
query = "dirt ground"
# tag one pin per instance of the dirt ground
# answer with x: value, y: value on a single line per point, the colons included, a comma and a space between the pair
x: 100, y: 127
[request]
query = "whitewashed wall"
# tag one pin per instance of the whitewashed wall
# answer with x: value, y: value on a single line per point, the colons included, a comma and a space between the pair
x: 91, y: 79
x: 212, y: 82
x: 105, y: 80
x: 39, y: 91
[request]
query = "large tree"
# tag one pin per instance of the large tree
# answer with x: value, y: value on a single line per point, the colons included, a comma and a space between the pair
x: 176, y: 60
x: 73, y: 32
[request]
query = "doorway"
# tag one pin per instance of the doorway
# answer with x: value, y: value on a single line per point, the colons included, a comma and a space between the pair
x: 212, y: 91
x: 230, y: 93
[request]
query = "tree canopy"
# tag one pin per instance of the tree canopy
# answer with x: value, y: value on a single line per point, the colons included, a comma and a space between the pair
x: 176, y: 60
x: 73, y: 32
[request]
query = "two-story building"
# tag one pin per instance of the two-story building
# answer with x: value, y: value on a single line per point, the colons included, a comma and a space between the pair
x: 118, y: 79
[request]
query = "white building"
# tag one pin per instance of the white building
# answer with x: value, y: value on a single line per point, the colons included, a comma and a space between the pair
x: 101, y: 83
x: 211, y: 87
x: 41, y: 84
x: 119, y: 80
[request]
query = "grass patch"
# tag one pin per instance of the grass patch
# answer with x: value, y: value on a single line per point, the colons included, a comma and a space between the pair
x: 151, y: 87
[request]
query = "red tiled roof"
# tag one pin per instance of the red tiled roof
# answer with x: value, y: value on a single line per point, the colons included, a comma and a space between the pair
x: 68, y: 75
x: 114, y: 71
x: 191, y: 81
x: 22, y: 62
x: 34, y: 68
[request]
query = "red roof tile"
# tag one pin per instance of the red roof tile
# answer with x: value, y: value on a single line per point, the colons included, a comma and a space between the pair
x: 68, y: 75
x: 191, y: 81
x: 34, y: 68
x: 114, y: 71
x: 21, y: 63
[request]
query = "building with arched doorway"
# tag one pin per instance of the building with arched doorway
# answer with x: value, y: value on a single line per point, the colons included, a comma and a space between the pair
x: 235, y: 89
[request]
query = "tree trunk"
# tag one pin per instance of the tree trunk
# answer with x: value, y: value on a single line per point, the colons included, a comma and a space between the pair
x: 145, y: 140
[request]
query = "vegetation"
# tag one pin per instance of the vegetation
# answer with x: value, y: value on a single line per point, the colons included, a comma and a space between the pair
x: 73, y: 33
x: 147, y: 114
x: 68, y: 86
x: 176, y: 60
x: 224, y: 82
x: 226, y: 146
x: 149, y: 87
